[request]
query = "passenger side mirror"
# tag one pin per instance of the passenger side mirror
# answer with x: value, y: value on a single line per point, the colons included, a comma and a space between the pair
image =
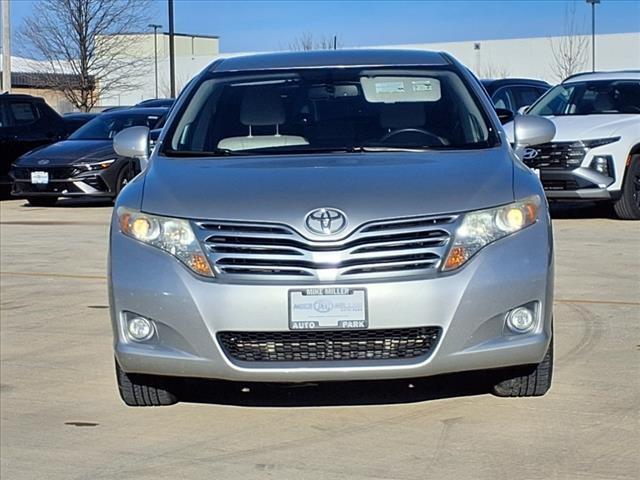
x: 531, y: 130
x: 522, y: 110
x: 133, y: 142
x: 504, y: 115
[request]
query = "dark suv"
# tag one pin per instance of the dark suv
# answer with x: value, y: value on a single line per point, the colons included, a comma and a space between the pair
x: 26, y: 122
x: 514, y: 93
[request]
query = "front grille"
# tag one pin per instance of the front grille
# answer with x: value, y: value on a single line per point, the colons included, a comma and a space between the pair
x: 399, y: 247
x: 55, y: 173
x: 553, y: 185
x: 340, y: 345
x: 564, y: 155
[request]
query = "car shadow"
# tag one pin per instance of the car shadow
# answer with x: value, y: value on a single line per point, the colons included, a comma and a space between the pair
x: 581, y: 210
x: 333, y: 394
x: 75, y: 203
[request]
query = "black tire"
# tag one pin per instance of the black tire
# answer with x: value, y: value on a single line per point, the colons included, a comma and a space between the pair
x: 527, y: 382
x: 628, y: 206
x: 42, y: 201
x: 124, y: 177
x: 144, y: 390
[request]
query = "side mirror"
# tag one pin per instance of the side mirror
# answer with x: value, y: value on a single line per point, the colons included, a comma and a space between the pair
x: 133, y: 142
x: 504, y: 115
x: 522, y: 110
x: 532, y: 130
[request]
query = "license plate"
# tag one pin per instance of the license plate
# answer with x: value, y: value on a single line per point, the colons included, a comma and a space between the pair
x: 39, y: 178
x: 328, y: 308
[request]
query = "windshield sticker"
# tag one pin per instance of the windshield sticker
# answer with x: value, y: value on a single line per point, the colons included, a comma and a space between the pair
x: 400, y: 89
x: 389, y: 87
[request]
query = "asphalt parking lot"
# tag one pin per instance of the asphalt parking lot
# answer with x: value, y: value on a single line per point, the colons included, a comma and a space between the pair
x: 62, y: 417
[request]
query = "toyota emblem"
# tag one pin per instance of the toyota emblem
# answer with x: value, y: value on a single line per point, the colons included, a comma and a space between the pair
x: 326, y: 221
x: 530, y: 153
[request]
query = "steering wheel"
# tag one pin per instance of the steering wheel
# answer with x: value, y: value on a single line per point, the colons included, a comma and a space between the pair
x: 412, y: 130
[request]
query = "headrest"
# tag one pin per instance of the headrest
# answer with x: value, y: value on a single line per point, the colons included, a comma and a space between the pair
x: 261, y: 106
x: 603, y: 102
x: 402, y: 115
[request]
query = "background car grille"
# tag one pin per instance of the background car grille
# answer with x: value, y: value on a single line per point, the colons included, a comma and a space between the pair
x: 55, y: 173
x: 565, y: 155
x: 340, y: 345
x: 401, y: 247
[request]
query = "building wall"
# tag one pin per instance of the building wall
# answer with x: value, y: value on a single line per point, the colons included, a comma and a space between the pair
x: 193, y: 53
x: 533, y: 57
x: 520, y: 57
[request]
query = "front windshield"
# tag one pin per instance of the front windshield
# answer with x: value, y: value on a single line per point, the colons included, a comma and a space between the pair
x: 589, y: 98
x: 329, y: 109
x: 105, y: 126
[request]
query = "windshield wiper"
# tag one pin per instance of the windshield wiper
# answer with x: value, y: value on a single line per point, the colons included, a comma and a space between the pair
x: 218, y: 152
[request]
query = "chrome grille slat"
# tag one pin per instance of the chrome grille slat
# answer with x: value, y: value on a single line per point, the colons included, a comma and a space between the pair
x: 397, y: 247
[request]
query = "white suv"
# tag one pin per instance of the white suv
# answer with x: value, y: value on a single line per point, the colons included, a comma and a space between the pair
x: 595, y: 154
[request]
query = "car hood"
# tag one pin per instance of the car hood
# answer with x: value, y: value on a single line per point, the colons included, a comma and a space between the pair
x: 587, y: 127
x: 365, y: 186
x: 69, y: 152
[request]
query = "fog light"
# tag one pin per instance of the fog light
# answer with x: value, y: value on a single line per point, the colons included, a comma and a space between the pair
x: 601, y: 164
x: 140, y: 329
x: 521, y: 320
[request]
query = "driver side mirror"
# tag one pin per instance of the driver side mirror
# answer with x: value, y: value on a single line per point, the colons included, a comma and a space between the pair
x: 133, y: 142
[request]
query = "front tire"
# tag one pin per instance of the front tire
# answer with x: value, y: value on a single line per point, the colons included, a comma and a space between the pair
x: 628, y: 206
x: 124, y: 177
x: 42, y: 201
x: 527, y: 382
x: 137, y: 390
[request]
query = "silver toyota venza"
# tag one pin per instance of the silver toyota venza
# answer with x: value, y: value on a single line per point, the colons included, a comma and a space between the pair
x: 341, y: 215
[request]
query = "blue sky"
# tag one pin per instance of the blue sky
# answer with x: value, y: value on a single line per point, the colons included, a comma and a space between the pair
x: 271, y: 25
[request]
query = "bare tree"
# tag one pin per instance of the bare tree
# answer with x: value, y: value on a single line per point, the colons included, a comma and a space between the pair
x: 306, y: 42
x: 492, y: 71
x: 570, y: 50
x: 86, y: 44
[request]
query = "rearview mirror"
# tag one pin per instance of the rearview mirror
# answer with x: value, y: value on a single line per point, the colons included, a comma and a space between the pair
x: 133, y: 142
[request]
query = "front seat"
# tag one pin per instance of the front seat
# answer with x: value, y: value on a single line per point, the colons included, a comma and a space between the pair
x: 261, y: 107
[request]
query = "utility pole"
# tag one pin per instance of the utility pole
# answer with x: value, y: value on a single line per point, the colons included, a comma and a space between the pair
x: 6, y: 46
x: 593, y: 33
x: 172, y: 53
x: 155, y: 27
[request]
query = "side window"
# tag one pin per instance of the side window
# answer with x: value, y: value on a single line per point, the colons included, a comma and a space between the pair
x: 501, y: 99
x: 23, y: 113
x: 5, y: 121
x: 525, y: 96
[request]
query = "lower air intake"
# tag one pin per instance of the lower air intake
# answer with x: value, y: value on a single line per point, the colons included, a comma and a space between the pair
x: 335, y: 345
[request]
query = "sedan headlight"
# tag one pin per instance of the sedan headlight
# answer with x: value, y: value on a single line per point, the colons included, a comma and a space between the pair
x: 90, y: 166
x: 173, y: 235
x: 479, y: 229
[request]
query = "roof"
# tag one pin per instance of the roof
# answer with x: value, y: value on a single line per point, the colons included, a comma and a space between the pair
x: 330, y: 58
x: 124, y: 112
x: 618, y: 75
x: 514, y: 81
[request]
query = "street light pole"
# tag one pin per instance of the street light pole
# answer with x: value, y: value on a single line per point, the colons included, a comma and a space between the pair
x: 6, y: 46
x: 155, y: 27
x: 172, y: 54
x: 593, y: 33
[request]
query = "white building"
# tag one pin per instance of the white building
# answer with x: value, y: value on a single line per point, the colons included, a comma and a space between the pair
x: 533, y: 57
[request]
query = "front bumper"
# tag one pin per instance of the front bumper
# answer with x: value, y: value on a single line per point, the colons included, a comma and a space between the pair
x: 468, y: 306
x: 577, y: 184
x: 67, y: 181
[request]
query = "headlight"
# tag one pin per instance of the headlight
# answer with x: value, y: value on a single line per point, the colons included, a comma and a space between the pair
x: 173, y: 235
x: 96, y: 165
x: 599, y: 142
x: 479, y: 229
